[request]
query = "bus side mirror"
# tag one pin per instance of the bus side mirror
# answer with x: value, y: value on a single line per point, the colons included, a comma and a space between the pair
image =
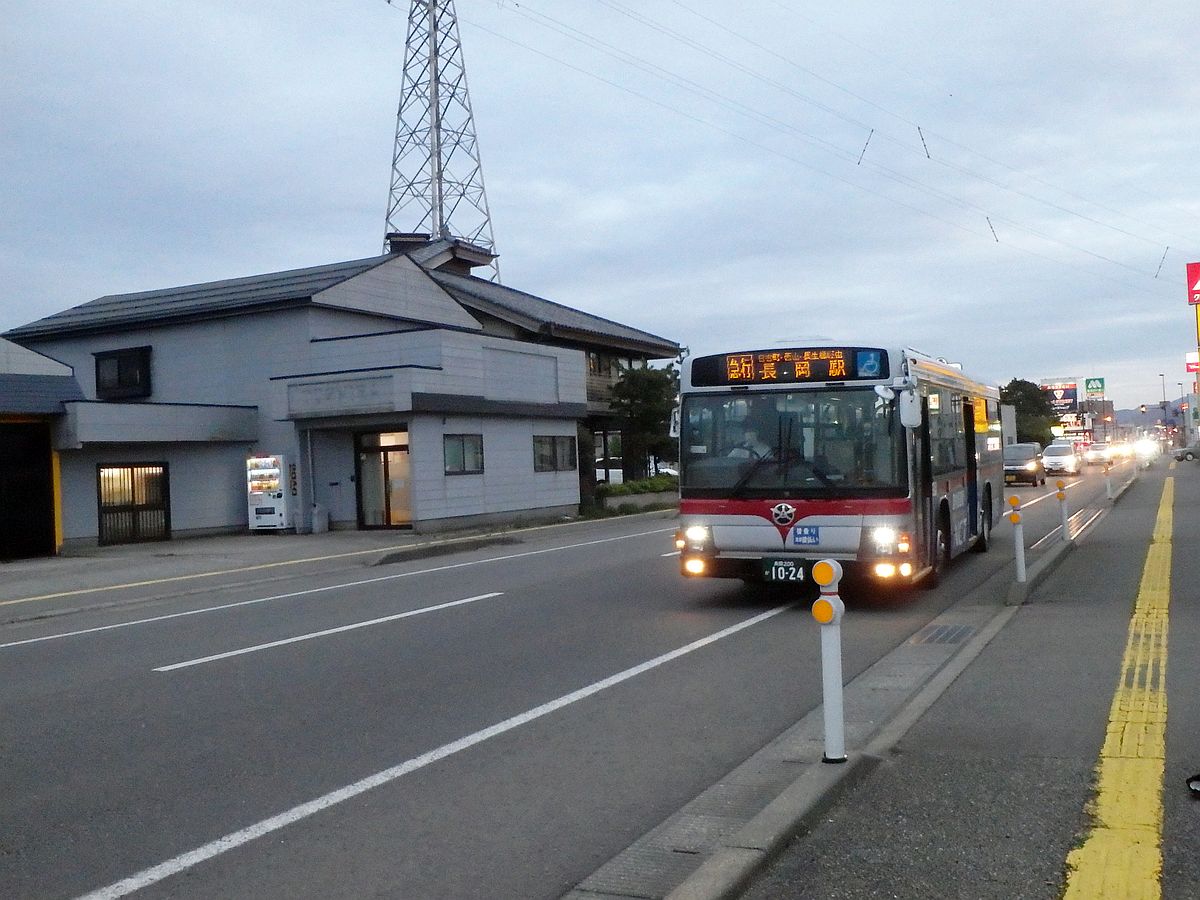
x: 675, y: 428
x: 910, y: 409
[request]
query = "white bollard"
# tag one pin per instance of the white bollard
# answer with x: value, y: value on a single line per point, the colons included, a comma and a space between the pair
x: 1108, y: 491
x: 828, y: 610
x: 1018, y: 537
x: 1062, y: 506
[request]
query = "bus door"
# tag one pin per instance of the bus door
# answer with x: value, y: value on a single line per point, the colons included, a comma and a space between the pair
x: 923, y: 513
x: 972, y: 467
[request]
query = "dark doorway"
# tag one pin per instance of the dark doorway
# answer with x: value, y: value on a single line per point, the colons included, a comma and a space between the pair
x: 26, y: 491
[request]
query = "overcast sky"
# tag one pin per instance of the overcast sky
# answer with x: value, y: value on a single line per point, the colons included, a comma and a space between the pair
x: 688, y: 167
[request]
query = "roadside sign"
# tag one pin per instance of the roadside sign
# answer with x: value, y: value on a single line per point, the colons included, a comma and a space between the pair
x: 1063, y: 396
x: 1191, y: 361
x: 1094, y: 387
x: 1193, y: 282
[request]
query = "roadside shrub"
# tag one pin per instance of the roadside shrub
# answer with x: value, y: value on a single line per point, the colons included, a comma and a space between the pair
x: 653, y: 485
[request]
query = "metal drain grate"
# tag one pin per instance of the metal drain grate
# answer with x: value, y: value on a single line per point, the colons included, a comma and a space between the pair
x: 942, y: 634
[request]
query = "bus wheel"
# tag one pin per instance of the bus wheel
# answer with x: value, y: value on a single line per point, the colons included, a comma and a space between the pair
x: 985, y: 528
x: 941, y: 552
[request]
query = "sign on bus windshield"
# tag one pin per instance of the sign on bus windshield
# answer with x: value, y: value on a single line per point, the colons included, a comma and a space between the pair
x: 793, y: 366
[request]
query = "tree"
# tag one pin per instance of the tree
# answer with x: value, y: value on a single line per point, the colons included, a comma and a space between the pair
x: 1035, y: 415
x: 643, y: 400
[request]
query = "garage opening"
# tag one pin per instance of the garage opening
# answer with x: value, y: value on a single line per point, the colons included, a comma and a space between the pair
x: 135, y: 503
x: 26, y: 491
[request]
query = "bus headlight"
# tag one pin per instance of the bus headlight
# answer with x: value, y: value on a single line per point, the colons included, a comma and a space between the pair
x: 696, y: 534
x: 884, y: 537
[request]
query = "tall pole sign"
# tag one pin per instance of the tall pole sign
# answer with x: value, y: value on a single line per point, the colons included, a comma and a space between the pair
x: 1193, y: 283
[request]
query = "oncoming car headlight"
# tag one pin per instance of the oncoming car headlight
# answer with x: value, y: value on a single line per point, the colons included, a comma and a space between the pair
x: 1030, y: 467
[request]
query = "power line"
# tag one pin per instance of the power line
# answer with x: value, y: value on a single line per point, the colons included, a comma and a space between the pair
x: 859, y: 187
x: 914, y: 183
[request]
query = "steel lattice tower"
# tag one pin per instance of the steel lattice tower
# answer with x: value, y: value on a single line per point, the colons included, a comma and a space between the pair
x: 437, y: 178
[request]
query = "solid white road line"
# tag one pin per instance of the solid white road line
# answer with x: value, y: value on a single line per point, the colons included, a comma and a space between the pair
x: 332, y: 587
x: 235, y: 839
x: 328, y: 631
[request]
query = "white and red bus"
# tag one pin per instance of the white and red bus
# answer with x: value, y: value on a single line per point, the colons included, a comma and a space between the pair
x: 888, y: 460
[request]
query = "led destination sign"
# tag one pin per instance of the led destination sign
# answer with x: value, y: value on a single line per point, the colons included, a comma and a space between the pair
x: 793, y: 366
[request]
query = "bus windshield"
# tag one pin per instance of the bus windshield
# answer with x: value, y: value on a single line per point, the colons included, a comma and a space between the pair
x: 821, y: 443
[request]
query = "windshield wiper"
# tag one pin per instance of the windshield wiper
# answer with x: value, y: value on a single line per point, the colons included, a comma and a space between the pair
x: 741, y: 482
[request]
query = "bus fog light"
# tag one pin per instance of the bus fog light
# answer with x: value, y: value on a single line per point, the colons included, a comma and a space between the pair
x: 694, y: 566
x: 906, y: 569
x: 885, y: 570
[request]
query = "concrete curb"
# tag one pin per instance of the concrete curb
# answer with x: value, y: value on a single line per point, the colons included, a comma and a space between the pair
x: 1019, y: 593
x: 729, y: 871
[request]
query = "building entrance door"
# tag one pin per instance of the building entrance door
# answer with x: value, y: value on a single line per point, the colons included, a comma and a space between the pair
x: 26, y: 491
x: 384, y: 482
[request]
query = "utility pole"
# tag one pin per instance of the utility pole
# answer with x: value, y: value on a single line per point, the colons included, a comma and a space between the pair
x: 437, y: 178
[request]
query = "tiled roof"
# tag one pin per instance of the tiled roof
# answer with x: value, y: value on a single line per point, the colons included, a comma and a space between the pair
x: 534, y: 312
x: 190, y: 301
x: 216, y: 298
x: 39, y: 394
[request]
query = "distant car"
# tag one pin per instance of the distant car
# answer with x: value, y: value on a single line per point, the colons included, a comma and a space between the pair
x: 1097, y: 454
x: 1190, y: 452
x: 1061, y: 459
x: 1023, y: 462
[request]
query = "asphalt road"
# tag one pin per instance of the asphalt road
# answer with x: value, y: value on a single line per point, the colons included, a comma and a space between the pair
x: 490, y: 723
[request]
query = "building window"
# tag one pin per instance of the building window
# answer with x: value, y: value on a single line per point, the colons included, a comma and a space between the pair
x: 463, y: 454
x: 123, y: 374
x: 554, y: 453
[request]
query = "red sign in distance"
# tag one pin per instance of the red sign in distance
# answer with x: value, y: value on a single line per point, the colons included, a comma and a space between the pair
x: 1193, y: 282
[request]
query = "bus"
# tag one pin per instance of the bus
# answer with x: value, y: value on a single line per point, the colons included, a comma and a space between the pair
x: 888, y: 460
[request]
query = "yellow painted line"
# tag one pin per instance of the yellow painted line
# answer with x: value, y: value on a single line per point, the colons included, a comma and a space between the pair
x: 1122, y: 857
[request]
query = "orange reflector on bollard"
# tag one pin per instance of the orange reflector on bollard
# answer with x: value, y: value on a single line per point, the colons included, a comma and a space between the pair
x: 1014, y: 517
x: 823, y: 611
x: 1061, y: 496
x: 823, y: 573
x: 1014, y: 501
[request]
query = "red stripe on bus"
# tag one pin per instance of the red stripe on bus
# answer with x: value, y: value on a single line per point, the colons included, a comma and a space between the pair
x: 897, y: 506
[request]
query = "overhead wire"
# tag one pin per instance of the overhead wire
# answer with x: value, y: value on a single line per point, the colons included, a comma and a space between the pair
x: 923, y: 149
x: 914, y: 183
x: 900, y: 177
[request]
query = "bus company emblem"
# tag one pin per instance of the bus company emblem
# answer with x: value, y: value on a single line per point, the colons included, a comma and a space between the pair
x: 783, y: 513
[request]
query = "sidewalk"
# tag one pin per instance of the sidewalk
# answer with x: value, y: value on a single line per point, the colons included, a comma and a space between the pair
x: 988, y: 792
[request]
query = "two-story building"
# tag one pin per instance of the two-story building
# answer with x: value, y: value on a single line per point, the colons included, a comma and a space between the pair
x: 397, y: 391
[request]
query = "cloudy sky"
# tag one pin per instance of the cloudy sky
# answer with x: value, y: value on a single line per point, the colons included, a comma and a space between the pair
x: 690, y: 167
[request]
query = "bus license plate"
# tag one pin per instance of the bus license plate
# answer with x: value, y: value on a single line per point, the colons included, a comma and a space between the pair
x: 783, y: 570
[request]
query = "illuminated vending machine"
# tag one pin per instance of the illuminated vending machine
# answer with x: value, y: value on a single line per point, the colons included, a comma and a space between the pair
x: 267, y: 493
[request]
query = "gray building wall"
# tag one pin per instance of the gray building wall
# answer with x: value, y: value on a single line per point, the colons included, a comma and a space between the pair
x: 207, y: 485
x: 283, y: 363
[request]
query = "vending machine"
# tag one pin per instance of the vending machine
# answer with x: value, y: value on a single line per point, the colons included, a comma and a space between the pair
x: 267, y: 493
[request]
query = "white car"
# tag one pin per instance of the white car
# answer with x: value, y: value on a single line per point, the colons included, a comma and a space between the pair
x: 1061, y: 458
x: 1097, y: 454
